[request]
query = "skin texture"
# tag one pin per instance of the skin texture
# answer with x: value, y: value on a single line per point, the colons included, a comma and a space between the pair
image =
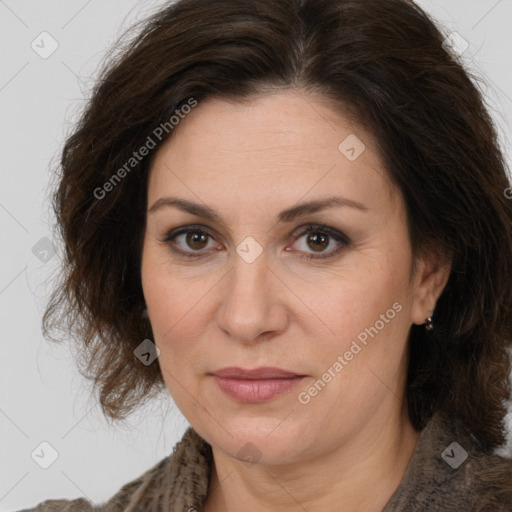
x: 350, y: 444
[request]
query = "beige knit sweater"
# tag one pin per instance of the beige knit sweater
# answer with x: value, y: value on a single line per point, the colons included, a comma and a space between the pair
x: 439, y: 478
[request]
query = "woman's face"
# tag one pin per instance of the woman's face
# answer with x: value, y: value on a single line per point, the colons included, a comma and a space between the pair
x: 324, y: 293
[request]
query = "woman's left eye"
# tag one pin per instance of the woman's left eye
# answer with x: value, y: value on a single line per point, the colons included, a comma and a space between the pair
x: 320, y: 237
x: 317, y: 237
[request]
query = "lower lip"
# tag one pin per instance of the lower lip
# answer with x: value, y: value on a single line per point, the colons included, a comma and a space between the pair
x: 255, y: 391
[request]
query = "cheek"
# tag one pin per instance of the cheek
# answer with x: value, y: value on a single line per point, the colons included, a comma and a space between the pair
x: 170, y: 307
x: 361, y: 365
x: 356, y: 301
x: 170, y: 301
x: 169, y: 293
x: 368, y: 320
x: 179, y: 303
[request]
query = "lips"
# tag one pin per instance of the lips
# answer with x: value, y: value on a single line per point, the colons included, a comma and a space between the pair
x: 258, y: 373
x: 255, y: 386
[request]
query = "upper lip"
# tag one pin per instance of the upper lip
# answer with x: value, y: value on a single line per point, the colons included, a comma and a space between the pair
x: 257, y: 373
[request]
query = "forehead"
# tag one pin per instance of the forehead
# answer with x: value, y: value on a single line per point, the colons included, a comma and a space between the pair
x: 285, y: 143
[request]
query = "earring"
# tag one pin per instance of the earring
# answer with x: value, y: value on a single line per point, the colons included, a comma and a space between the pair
x: 429, y: 325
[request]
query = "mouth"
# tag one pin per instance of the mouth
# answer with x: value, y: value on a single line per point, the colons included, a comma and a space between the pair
x: 255, y: 386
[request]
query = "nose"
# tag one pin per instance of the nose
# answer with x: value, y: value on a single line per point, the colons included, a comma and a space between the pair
x: 253, y: 304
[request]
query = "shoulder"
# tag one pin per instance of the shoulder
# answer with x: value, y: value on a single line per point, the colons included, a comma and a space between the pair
x: 181, y: 478
x: 491, y: 478
x: 483, y: 480
x: 118, y: 503
x: 484, y: 477
x: 78, y: 505
x: 449, y: 472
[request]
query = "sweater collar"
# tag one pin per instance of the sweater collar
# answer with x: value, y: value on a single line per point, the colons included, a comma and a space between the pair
x: 437, y: 475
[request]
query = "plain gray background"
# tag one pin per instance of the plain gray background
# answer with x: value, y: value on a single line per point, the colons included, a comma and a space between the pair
x: 42, y: 397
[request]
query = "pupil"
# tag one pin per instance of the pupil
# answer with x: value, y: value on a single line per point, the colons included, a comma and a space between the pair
x: 195, y: 238
x: 319, y: 241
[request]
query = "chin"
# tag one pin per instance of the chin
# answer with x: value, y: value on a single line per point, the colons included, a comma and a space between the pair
x: 262, y: 440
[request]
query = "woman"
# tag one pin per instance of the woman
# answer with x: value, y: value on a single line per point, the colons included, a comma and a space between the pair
x: 293, y: 217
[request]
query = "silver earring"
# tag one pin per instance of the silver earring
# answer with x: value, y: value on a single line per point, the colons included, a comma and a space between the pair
x: 429, y: 325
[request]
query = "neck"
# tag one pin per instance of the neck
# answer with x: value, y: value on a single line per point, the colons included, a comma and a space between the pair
x: 360, y: 475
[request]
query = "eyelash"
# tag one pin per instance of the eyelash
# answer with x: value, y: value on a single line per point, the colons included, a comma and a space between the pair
x: 342, y: 239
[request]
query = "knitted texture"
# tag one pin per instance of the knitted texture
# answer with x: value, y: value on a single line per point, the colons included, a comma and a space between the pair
x: 438, y: 478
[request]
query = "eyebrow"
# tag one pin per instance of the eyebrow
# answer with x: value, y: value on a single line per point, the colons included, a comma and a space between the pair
x: 287, y: 215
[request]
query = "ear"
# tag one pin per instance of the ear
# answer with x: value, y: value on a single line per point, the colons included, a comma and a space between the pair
x: 428, y: 281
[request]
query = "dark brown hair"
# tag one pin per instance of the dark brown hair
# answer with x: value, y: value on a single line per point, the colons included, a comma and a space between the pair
x: 384, y: 62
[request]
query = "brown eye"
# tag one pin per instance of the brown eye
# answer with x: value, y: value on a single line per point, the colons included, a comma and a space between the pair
x: 190, y: 241
x: 196, y: 239
x: 317, y: 241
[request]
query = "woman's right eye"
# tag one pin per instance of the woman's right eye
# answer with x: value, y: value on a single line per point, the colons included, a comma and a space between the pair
x: 195, y: 238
